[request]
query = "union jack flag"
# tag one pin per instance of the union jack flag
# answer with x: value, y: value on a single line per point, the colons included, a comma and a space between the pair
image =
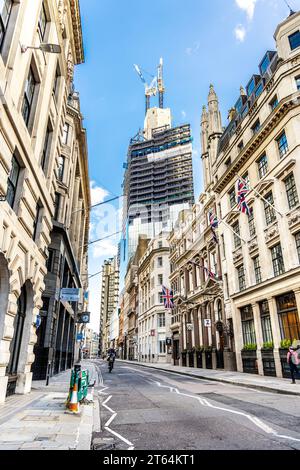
x: 242, y: 192
x: 167, y: 297
x: 210, y: 274
x: 214, y: 224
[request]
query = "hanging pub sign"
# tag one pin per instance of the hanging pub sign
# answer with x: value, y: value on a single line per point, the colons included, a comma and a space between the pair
x: 84, y: 317
x: 70, y: 294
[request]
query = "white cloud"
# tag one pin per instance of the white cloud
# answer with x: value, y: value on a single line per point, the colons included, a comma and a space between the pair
x: 98, y: 194
x: 183, y: 114
x: 193, y: 50
x: 248, y: 6
x: 107, y: 248
x: 240, y: 32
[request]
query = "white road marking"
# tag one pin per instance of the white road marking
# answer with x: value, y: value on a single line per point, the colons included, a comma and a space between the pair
x: 122, y: 438
x: 107, y: 407
x: 106, y: 425
x: 267, y: 429
x: 101, y: 392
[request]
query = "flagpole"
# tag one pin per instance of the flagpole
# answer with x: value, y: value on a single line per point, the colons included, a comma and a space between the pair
x: 221, y: 221
x: 256, y: 192
x: 204, y: 267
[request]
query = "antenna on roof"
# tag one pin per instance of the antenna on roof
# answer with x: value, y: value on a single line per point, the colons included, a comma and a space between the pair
x: 292, y: 12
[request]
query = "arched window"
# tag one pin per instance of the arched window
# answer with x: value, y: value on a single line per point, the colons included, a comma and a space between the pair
x: 15, y: 345
x: 219, y: 310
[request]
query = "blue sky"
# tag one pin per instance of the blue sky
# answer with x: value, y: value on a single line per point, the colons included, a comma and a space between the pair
x: 201, y: 42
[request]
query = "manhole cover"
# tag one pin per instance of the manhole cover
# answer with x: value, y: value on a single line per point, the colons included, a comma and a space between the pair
x: 103, y: 444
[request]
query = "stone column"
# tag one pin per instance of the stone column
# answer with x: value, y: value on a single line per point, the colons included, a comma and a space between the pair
x: 200, y: 326
x: 297, y: 295
x: 259, y: 337
x: 276, y: 334
x: 238, y: 337
x: 75, y: 207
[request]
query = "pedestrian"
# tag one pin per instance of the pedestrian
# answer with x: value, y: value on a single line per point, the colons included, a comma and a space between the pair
x: 293, y: 361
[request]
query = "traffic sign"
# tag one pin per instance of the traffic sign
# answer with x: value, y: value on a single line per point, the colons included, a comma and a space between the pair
x: 70, y: 294
x: 207, y: 323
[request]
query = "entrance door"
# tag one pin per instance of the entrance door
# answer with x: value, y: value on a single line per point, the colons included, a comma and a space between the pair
x: 15, y: 345
x: 176, y: 352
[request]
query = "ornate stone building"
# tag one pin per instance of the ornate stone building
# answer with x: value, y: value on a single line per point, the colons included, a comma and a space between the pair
x: 34, y: 86
x: 262, y: 271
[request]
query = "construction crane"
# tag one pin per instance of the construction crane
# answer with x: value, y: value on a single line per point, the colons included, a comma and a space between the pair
x: 150, y: 90
x: 160, y: 83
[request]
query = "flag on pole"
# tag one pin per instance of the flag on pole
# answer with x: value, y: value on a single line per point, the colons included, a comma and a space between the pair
x: 242, y: 192
x: 210, y: 274
x: 214, y: 224
x: 168, y: 297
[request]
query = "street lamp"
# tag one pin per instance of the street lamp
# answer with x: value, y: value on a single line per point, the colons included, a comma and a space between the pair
x: 49, y: 48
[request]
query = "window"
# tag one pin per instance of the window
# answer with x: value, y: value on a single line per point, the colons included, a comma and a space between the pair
x: 255, y: 128
x: 240, y: 146
x: 28, y: 96
x: 297, y: 240
x: 262, y: 164
x: 228, y: 162
x: 162, y: 347
x: 5, y: 10
x: 294, y: 40
x: 274, y: 103
x: 66, y: 133
x: 236, y: 237
x: 12, y: 182
x: 42, y: 22
x: 56, y: 82
x: 298, y: 83
x: 288, y: 316
x: 282, y: 144
x: 46, y: 146
x: 232, y: 198
x: 269, y: 211
x: 291, y: 191
x: 161, y: 320
x: 246, y: 179
x: 61, y: 167
x: 49, y: 264
x: 265, y: 321
x: 160, y: 279
x: 160, y: 244
x: 56, y: 205
x: 160, y: 298
x: 277, y: 260
x: 241, y: 277
x: 36, y: 221
x: 251, y: 222
x: 159, y: 262
x: 248, y: 329
x: 257, y: 270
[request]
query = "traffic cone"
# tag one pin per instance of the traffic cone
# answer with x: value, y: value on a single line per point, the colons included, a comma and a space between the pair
x: 74, y: 404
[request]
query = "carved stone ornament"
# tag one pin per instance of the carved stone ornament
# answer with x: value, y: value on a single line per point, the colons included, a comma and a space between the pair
x: 253, y: 245
x: 237, y: 255
x: 62, y: 11
x: 70, y: 66
x: 294, y: 218
x: 272, y: 232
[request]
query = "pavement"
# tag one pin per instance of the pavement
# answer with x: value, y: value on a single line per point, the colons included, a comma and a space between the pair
x: 147, y: 408
x: 38, y: 420
x: 273, y: 384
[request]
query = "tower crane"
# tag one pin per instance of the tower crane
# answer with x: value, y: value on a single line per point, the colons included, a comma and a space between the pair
x: 150, y: 90
x: 160, y: 83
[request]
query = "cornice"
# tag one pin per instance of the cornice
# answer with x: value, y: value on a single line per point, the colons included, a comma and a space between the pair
x: 77, y: 31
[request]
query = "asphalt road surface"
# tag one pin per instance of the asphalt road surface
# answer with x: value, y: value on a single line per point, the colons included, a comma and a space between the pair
x: 145, y: 409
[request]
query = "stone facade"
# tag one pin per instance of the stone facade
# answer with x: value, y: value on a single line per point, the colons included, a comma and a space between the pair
x: 261, y: 144
x: 109, y: 301
x: 33, y: 92
x: 154, y: 319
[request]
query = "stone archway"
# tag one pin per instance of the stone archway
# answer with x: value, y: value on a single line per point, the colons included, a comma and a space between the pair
x: 4, y: 301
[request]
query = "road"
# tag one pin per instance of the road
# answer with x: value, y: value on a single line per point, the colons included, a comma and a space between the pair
x: 145, y: 409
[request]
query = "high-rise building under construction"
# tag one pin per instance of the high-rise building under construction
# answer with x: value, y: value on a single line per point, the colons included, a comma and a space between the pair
x: 158, y: 180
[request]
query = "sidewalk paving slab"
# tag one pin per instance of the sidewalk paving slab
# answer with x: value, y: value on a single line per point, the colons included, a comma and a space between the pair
x: 271, y: 384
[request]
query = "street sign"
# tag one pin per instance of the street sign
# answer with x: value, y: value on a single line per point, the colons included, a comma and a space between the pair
x: 70, y: 295
x: 84, y: 317
x: 79, y: 337
x: 207, y: 323
x: 189, y: 326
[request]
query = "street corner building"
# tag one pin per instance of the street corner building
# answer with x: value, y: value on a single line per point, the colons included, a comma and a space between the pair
x: 43, y: 179
x: 260, y: 249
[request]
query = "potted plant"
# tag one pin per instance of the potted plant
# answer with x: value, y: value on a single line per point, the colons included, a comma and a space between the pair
x: 267, y: 356
x: 249, y: 358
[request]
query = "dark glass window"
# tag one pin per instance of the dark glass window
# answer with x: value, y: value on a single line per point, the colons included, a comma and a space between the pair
x: 241, y: 146
x: 265, y: 64
x: 232, y: 198
x: 161, y: 320
x: 251, y: 86
x: 42, y: 22
x: 46, y: 146
x: 5, y: 10
x: 251, y: 222
x: 288, y: 316
x: 294, y: 40
x: 297, y: 83
x: 49, y: 264
x: 282, y: 144
x: 259, y: 90
x: 36, y: 221
x: 274, y: 103
x: 255, y: 128
x: 265, y: 321
x: 269, y: 211
x: 291, y: 191
x: 61, y: 167
x: 257, y: 269
x: 159, y: 262
x: 262, y: 164
x: 55, y: 83
x: 241, y: 278
x: 277, y: 260
x: 28, y: 96
x: 237, y: 240
x: 12, y: 181
x: 297, y: 240
x: 248, y: 329
x: 56, y: 205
